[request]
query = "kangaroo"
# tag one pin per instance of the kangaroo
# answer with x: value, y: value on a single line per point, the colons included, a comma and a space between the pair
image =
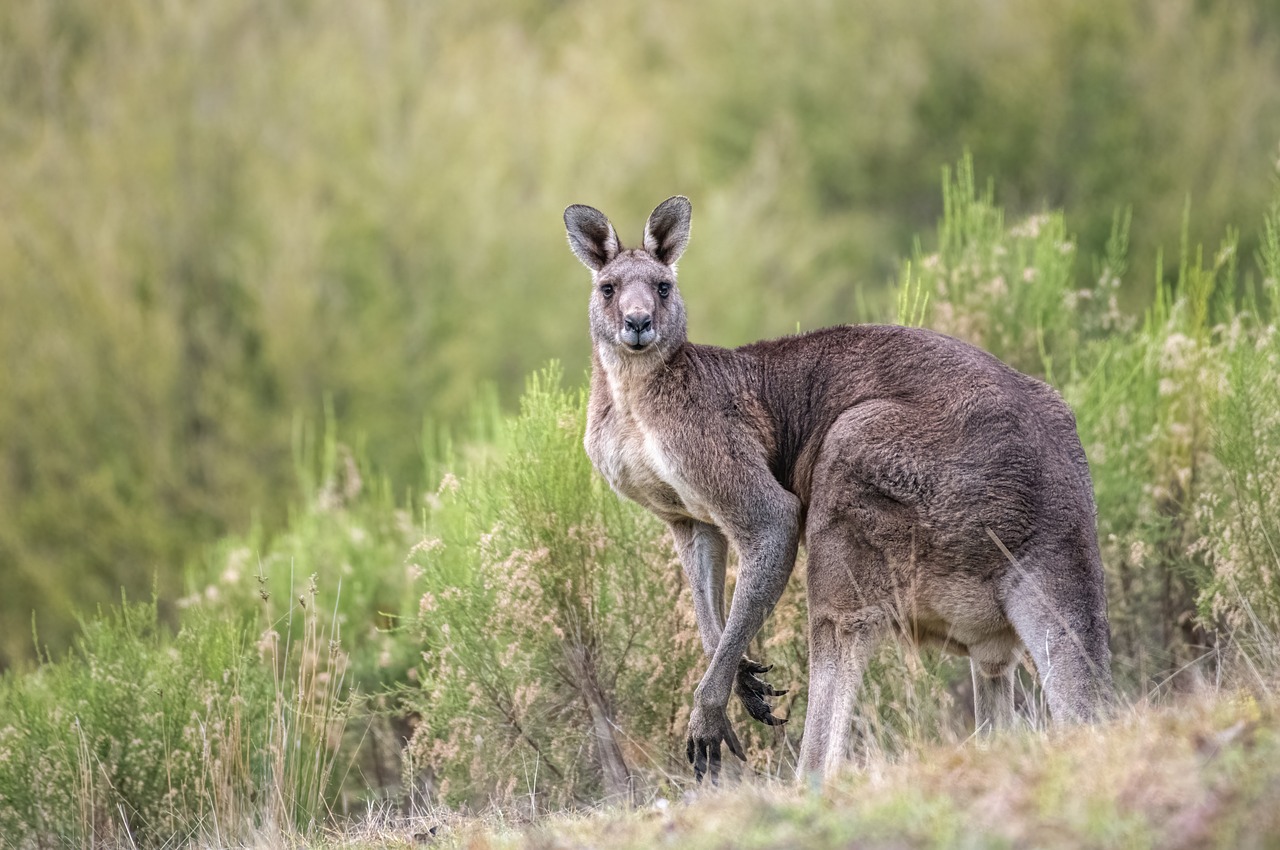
x: 941, y: 496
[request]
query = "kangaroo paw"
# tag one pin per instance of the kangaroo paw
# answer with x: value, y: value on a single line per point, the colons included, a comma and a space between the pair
x: 708, y: 728
x: 752, y: 690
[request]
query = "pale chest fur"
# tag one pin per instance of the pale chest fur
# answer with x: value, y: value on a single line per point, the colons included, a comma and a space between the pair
x: 636, y: 457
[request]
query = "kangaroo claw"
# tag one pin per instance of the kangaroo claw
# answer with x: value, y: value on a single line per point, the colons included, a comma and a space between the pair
x: 752, y: 691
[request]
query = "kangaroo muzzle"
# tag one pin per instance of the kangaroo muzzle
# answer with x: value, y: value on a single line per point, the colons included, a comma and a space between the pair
x: 637, y: 330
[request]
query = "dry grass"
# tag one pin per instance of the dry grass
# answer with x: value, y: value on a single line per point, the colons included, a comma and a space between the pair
x: 1203, y: 772
x: 1200, y: 771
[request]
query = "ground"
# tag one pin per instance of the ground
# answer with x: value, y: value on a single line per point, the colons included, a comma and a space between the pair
x: 1203, y: 771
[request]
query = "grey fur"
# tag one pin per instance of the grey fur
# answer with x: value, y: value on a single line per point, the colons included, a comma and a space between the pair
x: 940, y: 494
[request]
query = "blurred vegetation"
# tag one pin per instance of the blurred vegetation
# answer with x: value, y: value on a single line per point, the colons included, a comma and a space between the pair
x: 216, y: 216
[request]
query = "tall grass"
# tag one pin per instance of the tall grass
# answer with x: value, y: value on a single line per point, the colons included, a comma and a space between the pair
x: 143, y: 740
x: 1241, y: 546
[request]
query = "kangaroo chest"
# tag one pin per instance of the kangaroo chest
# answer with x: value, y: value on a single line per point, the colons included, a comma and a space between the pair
x: 637, y: 465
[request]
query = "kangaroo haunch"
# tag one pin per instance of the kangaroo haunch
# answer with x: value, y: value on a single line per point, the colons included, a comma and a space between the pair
x: 940, y: 494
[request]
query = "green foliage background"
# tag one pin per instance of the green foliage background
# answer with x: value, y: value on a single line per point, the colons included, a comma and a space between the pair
x: 215, y: 216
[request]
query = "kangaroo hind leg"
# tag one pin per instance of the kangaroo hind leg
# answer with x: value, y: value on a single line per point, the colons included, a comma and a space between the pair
x: 1057, y: 605
x: 838, y: 657
x: 845, y: 628
x: 994, y: 668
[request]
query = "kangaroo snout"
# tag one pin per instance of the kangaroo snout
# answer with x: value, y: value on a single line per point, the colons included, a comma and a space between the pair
x: 637, y: 330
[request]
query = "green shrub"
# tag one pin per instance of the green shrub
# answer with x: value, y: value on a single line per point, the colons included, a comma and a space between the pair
x: 1010, y: 290
x: 559, y: 645
x: 1241, y: 543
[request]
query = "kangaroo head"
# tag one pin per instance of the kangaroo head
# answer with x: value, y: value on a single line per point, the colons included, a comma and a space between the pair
x: 636, y: 309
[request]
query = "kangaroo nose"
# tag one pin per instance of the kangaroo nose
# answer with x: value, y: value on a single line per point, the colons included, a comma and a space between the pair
x: 639, y: 322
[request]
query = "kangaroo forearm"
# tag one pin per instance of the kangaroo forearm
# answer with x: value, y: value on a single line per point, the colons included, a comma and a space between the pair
x: 717, y: 683
x: 745, y: 619
x: 703, y: 551
x: 709, y: 628
x: 760, y: 584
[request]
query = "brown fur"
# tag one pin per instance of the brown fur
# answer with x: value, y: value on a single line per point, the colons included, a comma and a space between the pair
x: 940, y: 494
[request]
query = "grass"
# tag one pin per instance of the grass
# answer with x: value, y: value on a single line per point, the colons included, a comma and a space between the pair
x: 1199, y: 771
x: 140, y: 738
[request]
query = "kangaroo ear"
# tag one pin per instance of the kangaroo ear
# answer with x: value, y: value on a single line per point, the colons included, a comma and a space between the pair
x: 591, y: 236
x: 667, y: 232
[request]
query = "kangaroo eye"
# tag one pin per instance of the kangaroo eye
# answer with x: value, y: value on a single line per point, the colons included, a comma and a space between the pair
x: 664, y: 289
x: 606, y: 289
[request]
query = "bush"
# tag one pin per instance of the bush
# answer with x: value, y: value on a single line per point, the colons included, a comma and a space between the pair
x: 558, y: 643
x: 1241, y: 542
